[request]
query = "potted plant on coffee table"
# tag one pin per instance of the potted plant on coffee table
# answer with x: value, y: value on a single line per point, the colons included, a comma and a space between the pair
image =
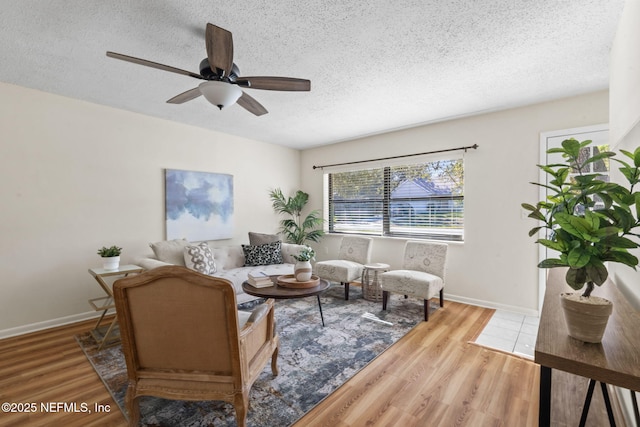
x: 588, y: 222
x: 302, y: 269
x: 110, y: 257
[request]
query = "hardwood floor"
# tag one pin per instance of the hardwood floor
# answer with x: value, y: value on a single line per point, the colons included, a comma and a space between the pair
x: 432, y: 377
x: 48, y: 367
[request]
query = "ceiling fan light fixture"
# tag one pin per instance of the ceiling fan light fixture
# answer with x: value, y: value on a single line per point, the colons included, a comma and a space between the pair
x: 220, y: 94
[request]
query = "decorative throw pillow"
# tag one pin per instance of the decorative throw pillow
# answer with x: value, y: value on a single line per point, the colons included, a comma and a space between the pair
x: 269, y: 253
x: 200, y: 258
x: 170, y: 251
x: 262, y: 238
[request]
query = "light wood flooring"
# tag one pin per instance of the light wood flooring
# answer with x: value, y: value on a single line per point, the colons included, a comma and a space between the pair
x: 431, y: 377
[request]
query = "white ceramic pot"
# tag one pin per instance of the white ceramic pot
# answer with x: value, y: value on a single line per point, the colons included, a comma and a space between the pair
x: 111, y: 262
x: 302, y: 271
x: 586, y: 318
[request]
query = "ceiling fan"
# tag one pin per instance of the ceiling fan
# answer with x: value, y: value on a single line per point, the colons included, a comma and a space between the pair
x: 222, y: 82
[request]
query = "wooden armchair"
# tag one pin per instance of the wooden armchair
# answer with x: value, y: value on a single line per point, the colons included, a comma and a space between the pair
x: 183, y: 338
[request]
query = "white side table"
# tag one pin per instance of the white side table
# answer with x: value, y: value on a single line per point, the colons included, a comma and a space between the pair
x: 107, y: 334
x: 371, y: 290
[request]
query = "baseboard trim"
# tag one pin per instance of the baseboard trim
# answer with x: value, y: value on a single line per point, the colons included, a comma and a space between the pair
x: 489, y: 304
x: 61, y: 321
x: 47, y: 324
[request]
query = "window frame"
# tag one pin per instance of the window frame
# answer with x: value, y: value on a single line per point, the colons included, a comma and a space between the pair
x: 386, y: 200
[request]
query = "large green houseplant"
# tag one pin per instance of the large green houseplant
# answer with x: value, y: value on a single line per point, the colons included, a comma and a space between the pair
x: 589, y: 222
x: 297, y: 229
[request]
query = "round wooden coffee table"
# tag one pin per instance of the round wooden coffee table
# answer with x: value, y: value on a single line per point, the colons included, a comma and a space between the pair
x: 280, y: 292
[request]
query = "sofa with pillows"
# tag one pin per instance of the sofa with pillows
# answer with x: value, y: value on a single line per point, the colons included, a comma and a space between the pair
x: 264, y: 253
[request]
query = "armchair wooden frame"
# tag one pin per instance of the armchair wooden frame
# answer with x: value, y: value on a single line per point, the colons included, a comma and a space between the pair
x: 182, y: 340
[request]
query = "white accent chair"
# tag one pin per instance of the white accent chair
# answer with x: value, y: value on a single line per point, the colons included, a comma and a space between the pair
x: 422, y: 274
x: 354, y: 253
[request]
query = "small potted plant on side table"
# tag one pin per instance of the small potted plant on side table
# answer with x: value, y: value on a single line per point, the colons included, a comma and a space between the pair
x: 302, y: 269
x: 589, y: 222
x: 110, y: 257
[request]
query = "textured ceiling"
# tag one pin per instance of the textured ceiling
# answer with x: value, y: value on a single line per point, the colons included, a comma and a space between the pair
x: 373, y: 66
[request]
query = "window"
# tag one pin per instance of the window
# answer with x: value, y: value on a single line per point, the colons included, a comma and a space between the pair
x: 424, y: 200
x: 600, y: 167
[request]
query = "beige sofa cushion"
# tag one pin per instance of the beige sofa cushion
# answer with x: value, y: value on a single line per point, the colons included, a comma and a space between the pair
x: 170, y: 251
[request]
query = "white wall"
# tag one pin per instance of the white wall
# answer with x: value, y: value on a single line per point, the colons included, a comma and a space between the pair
x: 625, y: 112
x: 624, y: 73
x: 496, y: 264
x: 625, y: 133
x: 77, y: 176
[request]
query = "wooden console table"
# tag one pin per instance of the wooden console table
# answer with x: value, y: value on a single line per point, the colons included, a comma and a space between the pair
x: 614, y: 361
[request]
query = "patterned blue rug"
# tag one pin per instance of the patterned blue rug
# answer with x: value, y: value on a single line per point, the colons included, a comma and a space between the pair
x: 313, y: 361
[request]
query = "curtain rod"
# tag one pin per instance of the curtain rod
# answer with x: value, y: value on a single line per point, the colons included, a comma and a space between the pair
x: 474, y: 146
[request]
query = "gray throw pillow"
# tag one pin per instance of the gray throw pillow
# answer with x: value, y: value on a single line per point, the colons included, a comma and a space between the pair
x: 262, y: 238
x: 267, y: 254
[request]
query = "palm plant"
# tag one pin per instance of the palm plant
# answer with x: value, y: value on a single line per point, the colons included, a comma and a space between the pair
x: 297, y: 229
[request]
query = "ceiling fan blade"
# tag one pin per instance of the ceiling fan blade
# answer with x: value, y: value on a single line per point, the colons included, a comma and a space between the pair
x: 185, y: 96
x: 251, y: 105
x: 153, y: 64
x: 274, y: 83
x: 219, y: 48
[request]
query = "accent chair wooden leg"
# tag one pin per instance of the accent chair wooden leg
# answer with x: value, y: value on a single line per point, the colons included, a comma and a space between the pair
x: 346, y: 291
x: 274, y: 362
x: 133, y: 406
x: 385, y: 298
x: 441, y: 297
x: 241, y: 405
x: 426, y: 310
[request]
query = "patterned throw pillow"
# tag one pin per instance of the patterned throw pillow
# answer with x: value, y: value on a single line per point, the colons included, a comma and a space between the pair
x: 269, y: 253
x: 200, y: 258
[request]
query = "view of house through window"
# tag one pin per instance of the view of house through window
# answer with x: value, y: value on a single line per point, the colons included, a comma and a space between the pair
x: 599, y: 167
x: 418, y: 200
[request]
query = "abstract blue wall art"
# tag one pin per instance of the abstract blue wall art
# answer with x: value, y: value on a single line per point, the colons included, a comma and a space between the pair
x: 199, y: 205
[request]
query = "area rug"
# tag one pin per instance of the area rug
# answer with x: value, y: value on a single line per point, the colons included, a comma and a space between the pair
x: 313, y: 361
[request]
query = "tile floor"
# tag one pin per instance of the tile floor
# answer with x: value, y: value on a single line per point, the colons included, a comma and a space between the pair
x: 512, y: 332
